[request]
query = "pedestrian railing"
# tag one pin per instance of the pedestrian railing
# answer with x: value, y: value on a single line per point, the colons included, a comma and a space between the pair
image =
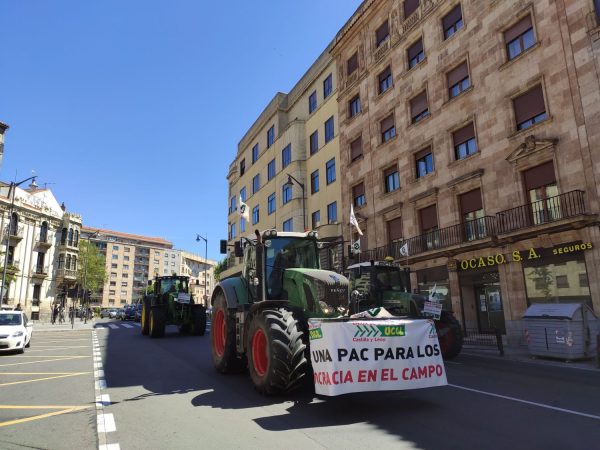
x: 485, y: 338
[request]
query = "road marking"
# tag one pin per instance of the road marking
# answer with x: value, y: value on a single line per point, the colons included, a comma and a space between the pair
x: 113, y: 326
x: 67, y: 409
x: 106, y: 423
x: 109, y: 447
x: 103, y: 400
x: 59, y: 340
x: 527, y: 402
x: 137, y: 324
x: 126, y: 325
x: 75, y: 374
x: 62, y: 358
x: 101, y: 384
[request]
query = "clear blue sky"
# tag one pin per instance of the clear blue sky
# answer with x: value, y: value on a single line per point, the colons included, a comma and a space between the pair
x: 131, y: 110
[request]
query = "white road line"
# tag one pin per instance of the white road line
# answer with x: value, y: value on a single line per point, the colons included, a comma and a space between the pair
x: 99, y: 373
x: 103, y: 400
x: 109, y: 447
x: 126, y: 325
x: 106, y: 423
x: 527, y: 402
x: 100, y: 384
x: 113, y: 326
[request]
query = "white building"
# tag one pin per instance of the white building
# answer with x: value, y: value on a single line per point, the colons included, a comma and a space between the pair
x: 200, y: 271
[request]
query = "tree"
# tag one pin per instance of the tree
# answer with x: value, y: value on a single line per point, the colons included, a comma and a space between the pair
x: 91, y: 273
x: 220, y: 267
x: 11, y: 275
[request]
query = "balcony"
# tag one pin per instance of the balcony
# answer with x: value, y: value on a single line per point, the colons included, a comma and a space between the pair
x: 39, y: 272
x: 554, y: 214
x: 66, y: 245
x: 43, y: 241
x: 381, y: 50
x: 66, y: 274
x: 15, y: 234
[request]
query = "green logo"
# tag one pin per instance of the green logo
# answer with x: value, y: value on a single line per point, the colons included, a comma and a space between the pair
x: 315, y: 333
x: 380, y: 331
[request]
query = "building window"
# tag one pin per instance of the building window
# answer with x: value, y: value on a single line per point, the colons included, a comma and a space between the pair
x: 394, y: 229
x: 255, y: 215
x: 286, y: 193
x: 410, y: 6
x: 356, y: 151
x: 471, y: 208
x: 352, y: 64
x: 314, y: 182
x: 452, y: 22
x: 424, y: 162
x: 327, y: 86
x: 255, y: 183
x: 329, y: 130
x: 529, y: 108
x: 385, y: 80
x: 113, y: 283
x: 232, y: 205
x: 271, y: 204
x: 562, y: 281
x: 271, y: 170
x: 232, y: 231
x: 583, y: 280
x: 391, y: 179
x: 243, y: 194
x: 458, y: 80
x: 332, y: 213
x: 115, y: 256
x: 314, y: 142
x: 242, y: 225
x: 429, y: 227
x: 286, y: 156
x: 242, y: 167
x: 464, y: 142
x: 358, y: 195
x: 330, y: 171
x: 519, y: 37
x: 271, y: 136
x: 316, y: 219
x: 382, y: 33
x: 125, y: 258
x: 115, y: 247
x: 419, y: 108
x: 542, y: 191
x: 312, y: 102
x: 388, y: 128
x: 288, y: 225
x: 125, y: 266
x: 126, y: 249
x: 254, y: 153
x: 353, y: 107
x: 415, y: 53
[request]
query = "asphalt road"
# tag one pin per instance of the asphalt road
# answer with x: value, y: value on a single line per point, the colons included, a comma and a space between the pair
x: 164, y: 393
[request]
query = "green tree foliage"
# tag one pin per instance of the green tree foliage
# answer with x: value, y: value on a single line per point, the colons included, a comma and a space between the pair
x: 91, y: 273
x: 11, y: 271
x: 220, y: 267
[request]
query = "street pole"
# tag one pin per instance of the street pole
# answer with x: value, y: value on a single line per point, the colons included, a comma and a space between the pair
x: 289, y: 181
x: 198, y: 237
x: 12, y: 188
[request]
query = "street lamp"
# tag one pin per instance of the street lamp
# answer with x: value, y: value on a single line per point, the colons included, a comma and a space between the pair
x: 13, y: 187
x: 289, y: 182
x: 198, y: 237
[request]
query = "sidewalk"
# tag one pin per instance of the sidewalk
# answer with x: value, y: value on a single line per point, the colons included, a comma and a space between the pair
x: 66, y: 326
x: 521, y: 354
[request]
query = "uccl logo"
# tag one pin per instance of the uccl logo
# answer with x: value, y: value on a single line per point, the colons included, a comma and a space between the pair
x: 315, y: 333
x: 380, y: 331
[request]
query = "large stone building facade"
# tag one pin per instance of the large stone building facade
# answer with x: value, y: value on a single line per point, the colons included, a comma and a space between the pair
x: 201, y: 273
x: 470, y: 144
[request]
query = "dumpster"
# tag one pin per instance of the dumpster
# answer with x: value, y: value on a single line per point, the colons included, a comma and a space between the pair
x: 561, y: 330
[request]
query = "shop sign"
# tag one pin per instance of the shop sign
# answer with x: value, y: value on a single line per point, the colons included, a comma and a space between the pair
x: 520, y: 255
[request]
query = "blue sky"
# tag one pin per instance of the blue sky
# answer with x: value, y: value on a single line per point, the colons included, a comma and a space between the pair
x: 131, y: 110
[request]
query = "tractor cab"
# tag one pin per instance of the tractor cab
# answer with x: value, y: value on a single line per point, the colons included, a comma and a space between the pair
x: 171, y: 285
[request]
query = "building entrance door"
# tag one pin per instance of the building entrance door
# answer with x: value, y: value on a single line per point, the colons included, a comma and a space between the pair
x: 490, y: 313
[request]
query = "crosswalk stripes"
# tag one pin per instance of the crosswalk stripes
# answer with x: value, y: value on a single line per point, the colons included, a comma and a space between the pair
x: 116, y: 326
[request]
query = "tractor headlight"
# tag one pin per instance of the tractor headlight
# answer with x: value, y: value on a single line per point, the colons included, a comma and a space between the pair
x: 325, y: 307
x: 17, y: 333
x: 313, y: 234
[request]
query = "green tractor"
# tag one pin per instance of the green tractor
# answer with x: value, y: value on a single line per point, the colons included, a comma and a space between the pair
x: 169, y: 302
x: 381, y: 284
x: 260, y: 316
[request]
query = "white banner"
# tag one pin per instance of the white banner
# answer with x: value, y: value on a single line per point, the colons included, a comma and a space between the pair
x: 375, y: 355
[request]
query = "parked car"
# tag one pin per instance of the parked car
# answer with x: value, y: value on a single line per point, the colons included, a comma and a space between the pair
x: 120, y: 313
x: 110, y: 313
x: 15, y: 331
x: 138, y: 312
x: 128, y: 313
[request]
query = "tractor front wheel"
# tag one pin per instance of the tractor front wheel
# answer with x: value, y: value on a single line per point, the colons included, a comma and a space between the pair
x: 450, y: 335
x: 276, y: 352
x: 157, y: 322
x: 145, y: 318
x: 198, y: 320
x: 222, y: 338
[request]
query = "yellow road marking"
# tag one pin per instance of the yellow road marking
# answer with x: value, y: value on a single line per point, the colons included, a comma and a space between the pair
x: 67, y: 409
x: 37, y: 356
x: 44, y: 379
x: 61, y: 358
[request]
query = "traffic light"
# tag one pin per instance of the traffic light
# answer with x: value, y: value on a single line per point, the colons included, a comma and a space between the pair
x: 223, y: 243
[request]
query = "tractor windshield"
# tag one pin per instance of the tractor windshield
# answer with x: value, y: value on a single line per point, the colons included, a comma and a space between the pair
x: 285, y: 253
x: 387, y: 278
x: 173, y: 285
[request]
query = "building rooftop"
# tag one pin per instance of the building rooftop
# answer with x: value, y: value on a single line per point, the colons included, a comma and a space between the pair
x: 138, y: 237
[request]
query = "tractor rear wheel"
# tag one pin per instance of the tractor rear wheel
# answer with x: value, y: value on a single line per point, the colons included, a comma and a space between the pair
x: 157, y: 322
x: 145, y: 318
x: 276, y: 351
x: 198, y: 320
x: 222, y: 338
x: 450, y: 335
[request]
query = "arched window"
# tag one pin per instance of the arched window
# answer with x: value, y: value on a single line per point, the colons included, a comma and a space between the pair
x: 76, y: 243
x: 68, y: 266
x: 44, y: 232
x: 61, y: 262
x: 74, y: 263
x: 63, y: 236
x: 70, y: 237
x: 14, y: 224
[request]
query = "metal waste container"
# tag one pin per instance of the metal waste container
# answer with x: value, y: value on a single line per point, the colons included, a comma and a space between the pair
x: 561, y: 330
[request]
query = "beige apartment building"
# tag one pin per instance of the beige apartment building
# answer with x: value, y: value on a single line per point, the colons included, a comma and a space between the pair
x: 287, y: 167
x: 470, y: 147
x: 131, y: 261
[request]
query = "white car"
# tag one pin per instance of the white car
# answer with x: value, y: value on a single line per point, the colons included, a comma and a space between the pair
x: 15, y: 331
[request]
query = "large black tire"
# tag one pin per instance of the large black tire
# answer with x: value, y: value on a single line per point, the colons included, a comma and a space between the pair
x: 222, y: 338
x: 198, y: 320
x: 145, y: 319
x: 450, y: 335
x: 276, y: 352
x: 157, y: 322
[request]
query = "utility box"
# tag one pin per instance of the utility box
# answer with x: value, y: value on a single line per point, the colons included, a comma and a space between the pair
x: 561, y: 330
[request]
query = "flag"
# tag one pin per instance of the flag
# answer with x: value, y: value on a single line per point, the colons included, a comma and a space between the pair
x: 356, y: 246
x: 404, y: 249
x: 433, y: 294
x: 244, y: 210
x: 353, y: 220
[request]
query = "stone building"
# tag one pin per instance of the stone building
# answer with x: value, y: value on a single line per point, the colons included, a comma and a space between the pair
x: 470, y: 144
x: 200, y: 271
